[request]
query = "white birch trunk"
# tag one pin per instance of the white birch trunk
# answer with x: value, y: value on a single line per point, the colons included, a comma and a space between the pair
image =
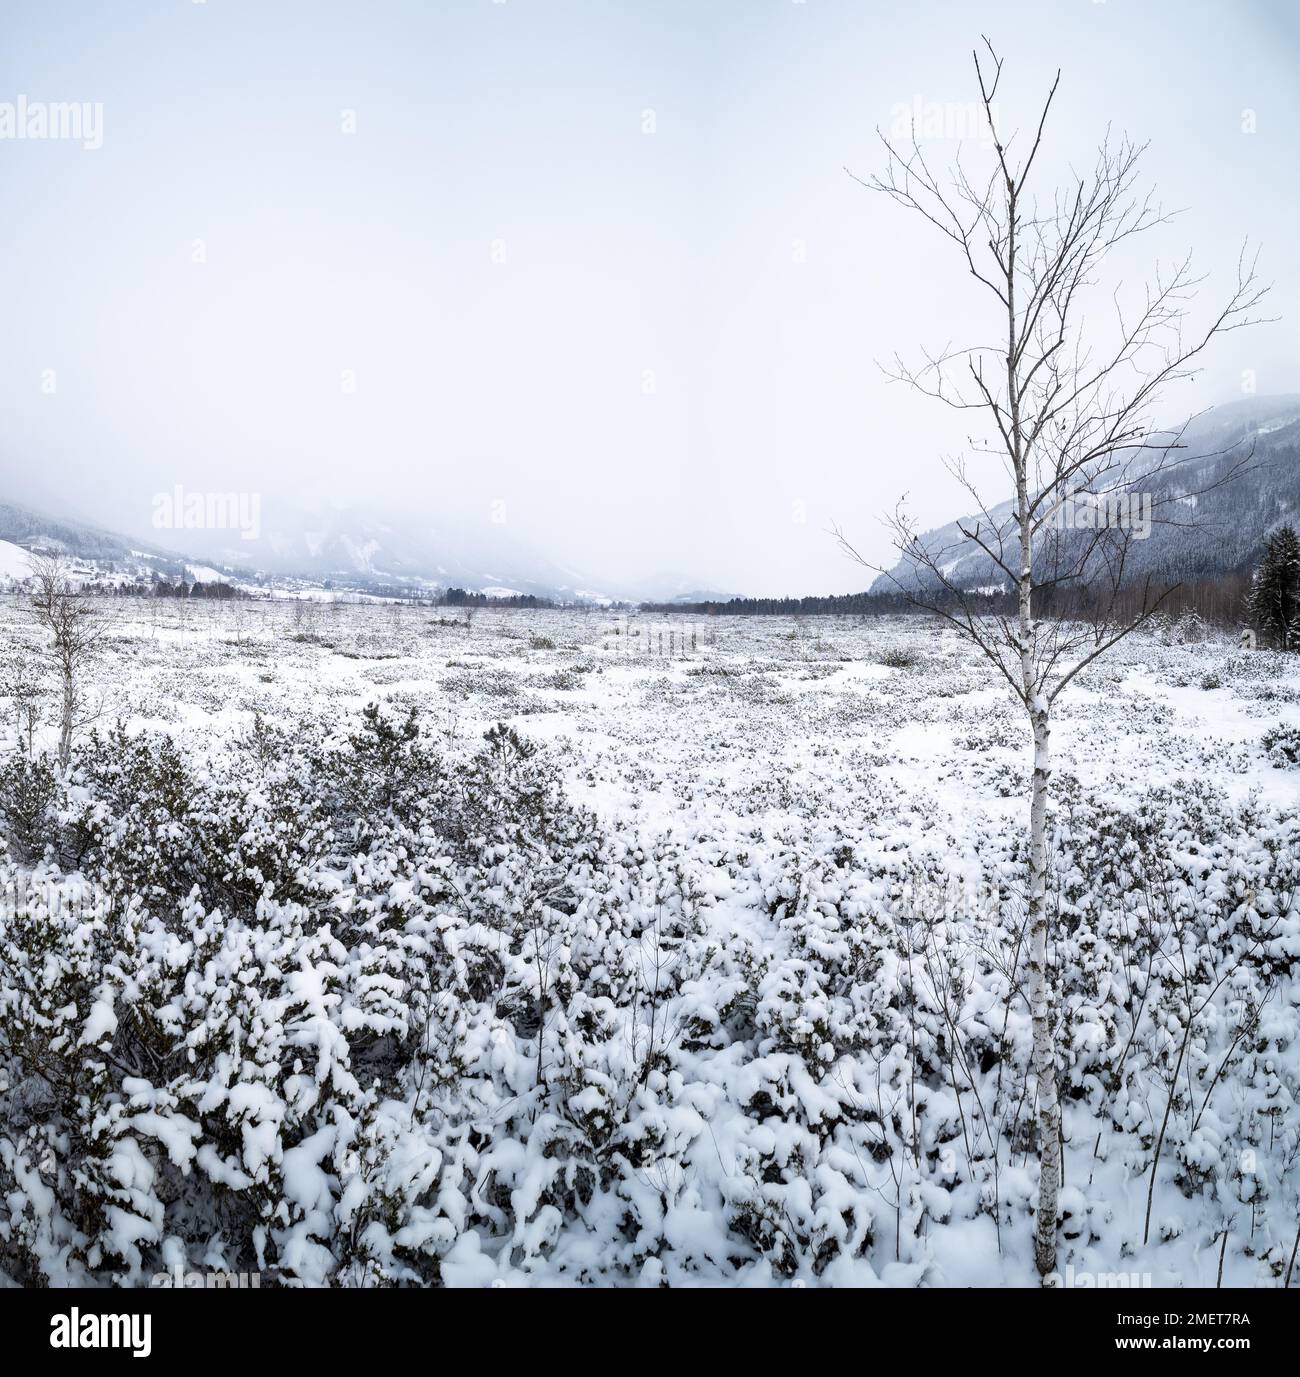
x: 65, y: 725
x: 1041, y: 1011
x: 1040, y: 1002
x: 1040, y: 989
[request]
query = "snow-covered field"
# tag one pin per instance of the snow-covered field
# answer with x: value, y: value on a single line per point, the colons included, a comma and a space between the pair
x: 711, y: 972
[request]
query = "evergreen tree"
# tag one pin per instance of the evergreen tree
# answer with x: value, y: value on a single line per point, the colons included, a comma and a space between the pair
x: 1274, y: 602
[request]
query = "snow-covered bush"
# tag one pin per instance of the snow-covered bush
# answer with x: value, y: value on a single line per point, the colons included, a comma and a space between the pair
x: 27, y: 795
x: 1282, y: 746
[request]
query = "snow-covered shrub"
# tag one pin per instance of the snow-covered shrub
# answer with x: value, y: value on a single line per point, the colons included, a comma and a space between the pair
x: 1282, y: 746
x: 898, y: 657
x: 27, y: 796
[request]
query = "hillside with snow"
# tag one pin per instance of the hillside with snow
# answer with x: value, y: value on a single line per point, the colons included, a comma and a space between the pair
x: 1233, y: 479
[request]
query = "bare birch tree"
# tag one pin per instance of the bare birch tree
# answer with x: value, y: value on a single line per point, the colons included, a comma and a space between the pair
x: 1067, y: 398
x: 75, y: 626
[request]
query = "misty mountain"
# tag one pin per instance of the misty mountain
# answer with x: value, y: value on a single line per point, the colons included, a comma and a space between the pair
x: 330, y: 544
x: 21, y: 525
x: 355, y: 547
x: 1207, y: 523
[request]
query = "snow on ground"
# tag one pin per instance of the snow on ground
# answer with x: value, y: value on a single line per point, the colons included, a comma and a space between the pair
x: 15, y: 562
x: 767, y: 748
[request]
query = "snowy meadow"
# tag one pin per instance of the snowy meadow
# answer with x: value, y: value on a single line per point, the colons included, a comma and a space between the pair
x: 381, y: 944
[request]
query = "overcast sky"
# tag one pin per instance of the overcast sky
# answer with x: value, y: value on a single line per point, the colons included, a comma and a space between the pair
x: 599, y: 261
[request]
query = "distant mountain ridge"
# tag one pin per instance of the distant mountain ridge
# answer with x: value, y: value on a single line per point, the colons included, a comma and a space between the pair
x: 1221, y: 526
x: 20, y: 525
x: 343, y: 547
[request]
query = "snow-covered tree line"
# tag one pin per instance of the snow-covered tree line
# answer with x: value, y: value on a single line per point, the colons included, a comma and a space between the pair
x: 1274, y: 601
